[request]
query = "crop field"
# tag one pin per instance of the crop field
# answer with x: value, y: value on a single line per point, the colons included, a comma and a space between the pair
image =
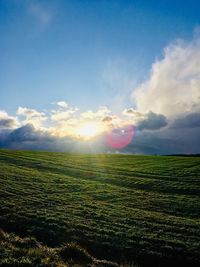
x: 122, y: 208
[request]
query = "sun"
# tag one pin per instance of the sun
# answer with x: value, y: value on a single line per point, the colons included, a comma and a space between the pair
x: 88, y: 130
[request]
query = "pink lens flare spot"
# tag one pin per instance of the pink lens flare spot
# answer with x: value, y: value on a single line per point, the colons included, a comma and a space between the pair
x: 120, y: 137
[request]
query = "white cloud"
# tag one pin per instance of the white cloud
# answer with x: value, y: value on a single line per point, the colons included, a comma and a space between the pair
x: 174, y: 84
x: 100, y: 113
x: 32, y: 116
x: 62, y: 104
x: 63, y: 112
x: 134, y: 115
x: 59, y: 115
x: 29, y: 112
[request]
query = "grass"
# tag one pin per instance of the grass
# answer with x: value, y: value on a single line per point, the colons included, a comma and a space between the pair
x: 119, y: 207
x: 27, y: 252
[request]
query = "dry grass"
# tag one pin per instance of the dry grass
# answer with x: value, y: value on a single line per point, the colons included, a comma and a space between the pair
x: 17, y: 251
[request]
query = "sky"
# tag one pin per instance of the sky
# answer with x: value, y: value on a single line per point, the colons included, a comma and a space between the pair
x: 100, y: 76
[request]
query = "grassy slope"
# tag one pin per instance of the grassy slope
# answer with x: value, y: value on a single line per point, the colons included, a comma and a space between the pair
x: 27, y: 252
x: 114, y: 205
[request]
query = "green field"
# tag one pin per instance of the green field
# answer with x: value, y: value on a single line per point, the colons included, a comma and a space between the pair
x: 124, y: 208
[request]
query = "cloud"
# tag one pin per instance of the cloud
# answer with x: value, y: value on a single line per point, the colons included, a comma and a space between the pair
x: 188, y: 121
x: 6, y: 121
x: 168, y: 102
x: 32, y: 116
x: 131, y: 112
x: 63, y: 112
x: 145, y: 121
x: 29, y: 112
x: 170, y: 141
x: 28, y: 137
x: 152, y: 122
x: 60, y: 116
x: 134, y: 115
x: 166, y: 141
x: 100, y: 113
x: 26, y: 133
x: 174, y: 84
x: 67, y: 120
x: 107, y: 119
x: 62, y: 104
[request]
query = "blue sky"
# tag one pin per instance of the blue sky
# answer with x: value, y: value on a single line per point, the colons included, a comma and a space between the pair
x: 73, y: 50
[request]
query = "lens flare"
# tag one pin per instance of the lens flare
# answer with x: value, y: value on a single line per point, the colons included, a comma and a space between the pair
x: 120, y: 137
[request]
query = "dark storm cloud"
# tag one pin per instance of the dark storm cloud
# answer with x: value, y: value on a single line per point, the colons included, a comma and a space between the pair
x: 27, y: 137
x: 165, y: 141
x: 162, y: 141
x: 7, y: 123
x: 28, y: 133
x: 188, y: 121
x: 153, y: 121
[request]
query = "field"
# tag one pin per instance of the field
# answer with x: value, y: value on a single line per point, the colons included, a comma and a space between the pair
x: 123, y: 208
